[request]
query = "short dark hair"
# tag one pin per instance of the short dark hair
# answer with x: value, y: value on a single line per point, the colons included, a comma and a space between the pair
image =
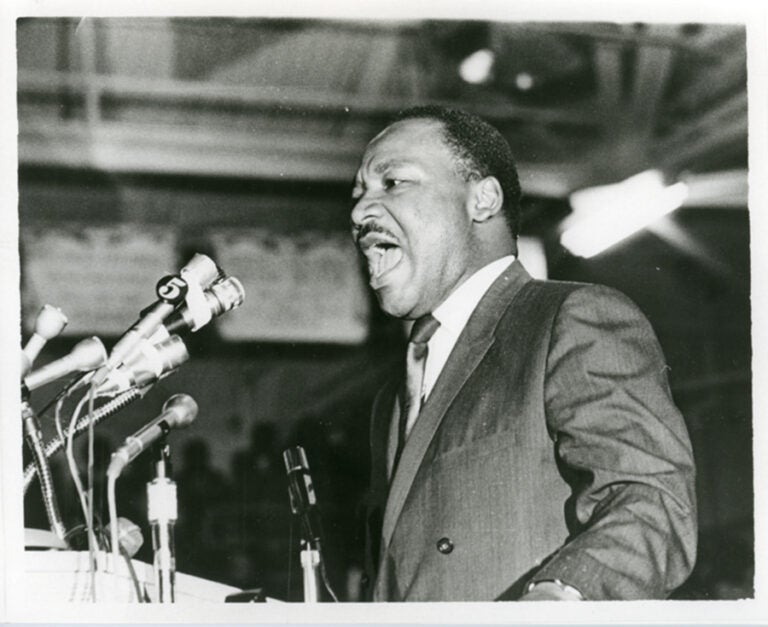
x: 480, y: 151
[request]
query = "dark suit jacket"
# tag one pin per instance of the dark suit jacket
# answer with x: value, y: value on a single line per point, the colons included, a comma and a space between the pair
x: 549, y: 448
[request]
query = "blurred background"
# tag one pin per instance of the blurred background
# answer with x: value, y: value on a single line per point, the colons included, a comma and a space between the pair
x: 142, y: 141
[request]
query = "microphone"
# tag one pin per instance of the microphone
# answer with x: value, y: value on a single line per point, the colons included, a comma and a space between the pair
x: 188, y: 285
x: 223, y: 296
x: 88, y: 354
x: 178, y: 412
x: 129, y: 536
x: 302, y: 493
x: 149, y: 363
x: 49, y: 323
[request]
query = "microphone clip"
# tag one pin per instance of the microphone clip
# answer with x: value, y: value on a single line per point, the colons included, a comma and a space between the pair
x: 171, y: 289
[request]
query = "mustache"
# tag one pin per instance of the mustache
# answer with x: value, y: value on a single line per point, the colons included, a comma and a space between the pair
x: 359, y: 232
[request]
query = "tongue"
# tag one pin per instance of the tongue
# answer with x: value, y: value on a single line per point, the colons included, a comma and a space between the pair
x: 387, y: 259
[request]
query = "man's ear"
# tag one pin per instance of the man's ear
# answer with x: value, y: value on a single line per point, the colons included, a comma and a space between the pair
x: 486, y: 200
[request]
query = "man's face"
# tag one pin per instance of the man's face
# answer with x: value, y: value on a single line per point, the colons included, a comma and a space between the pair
x: 411, y: 218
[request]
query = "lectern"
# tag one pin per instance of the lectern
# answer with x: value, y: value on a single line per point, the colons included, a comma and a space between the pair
x: 64, y: 576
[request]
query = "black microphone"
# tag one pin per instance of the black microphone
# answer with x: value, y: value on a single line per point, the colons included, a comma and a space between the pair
x: 302, y: 493
x: 178, y: 412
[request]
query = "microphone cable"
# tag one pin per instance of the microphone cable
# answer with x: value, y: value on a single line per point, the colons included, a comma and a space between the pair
x: 104, y: 411
x: 319, y: 547
x: 324, y: 574
x: 291, y: 525
x: 114, y: 541
x: 67, y: 390
x: 74, y: 471
x: 85, y: 499
x: 91, y: 535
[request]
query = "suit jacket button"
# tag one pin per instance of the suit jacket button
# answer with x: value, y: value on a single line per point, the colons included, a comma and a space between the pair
x: 444, y: 545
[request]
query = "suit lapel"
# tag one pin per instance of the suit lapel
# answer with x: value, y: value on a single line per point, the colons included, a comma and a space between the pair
x: 379, y: 481
x: 394, y: 431
x: 471, y: 347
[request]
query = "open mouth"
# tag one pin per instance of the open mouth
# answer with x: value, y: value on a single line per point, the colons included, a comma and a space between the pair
x: 382, y: 254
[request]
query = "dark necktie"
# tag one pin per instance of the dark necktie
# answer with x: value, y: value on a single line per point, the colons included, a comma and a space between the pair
x: 415, y: 359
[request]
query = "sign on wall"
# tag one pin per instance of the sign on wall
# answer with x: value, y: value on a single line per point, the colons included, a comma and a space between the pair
x: 101, y: 277
x: 305, y: 287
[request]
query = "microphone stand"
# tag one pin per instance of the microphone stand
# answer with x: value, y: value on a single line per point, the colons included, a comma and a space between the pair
x: 303, y: 505
x: 162, y: 514
x: 310, y: 565
x: 34, y: 440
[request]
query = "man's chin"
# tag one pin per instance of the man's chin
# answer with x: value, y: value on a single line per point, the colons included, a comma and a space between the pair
x: 393, y: 301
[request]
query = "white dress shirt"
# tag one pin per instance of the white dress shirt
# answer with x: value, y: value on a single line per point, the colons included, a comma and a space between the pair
x: 453, y: 313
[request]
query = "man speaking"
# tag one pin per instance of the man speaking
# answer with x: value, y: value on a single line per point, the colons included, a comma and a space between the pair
x: 531, y: 449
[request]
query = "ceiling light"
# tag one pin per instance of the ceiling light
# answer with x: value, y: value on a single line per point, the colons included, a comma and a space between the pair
x: 477, y: 67
x: 603, y: 216
x: 524, y: 81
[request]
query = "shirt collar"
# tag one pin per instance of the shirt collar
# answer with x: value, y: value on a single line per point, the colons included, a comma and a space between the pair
x: 454, y: 311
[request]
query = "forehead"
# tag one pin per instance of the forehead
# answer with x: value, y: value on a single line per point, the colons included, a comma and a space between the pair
x: 416, y: 139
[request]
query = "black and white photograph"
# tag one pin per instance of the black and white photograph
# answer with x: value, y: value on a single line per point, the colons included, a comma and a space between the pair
x: 444, y: 315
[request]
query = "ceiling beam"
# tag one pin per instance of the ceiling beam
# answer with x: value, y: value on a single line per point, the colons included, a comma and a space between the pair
x: 722, y: 128
x: 169, y: 92
x: 728, y: 189
x: 652, y: 69
x: 626, y: 34
x: 628, y: 121
x: 607, y: 59
x: 161, y: 149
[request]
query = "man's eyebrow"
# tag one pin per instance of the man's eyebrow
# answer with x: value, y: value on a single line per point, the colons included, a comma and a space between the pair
x: 383, y: 166
x: 379, y: 169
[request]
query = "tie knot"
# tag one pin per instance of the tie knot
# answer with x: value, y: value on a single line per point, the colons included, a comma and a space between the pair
x: 423, y: 329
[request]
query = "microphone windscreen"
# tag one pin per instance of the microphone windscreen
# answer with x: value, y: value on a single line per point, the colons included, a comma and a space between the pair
x: 184, y: 410
x: 128, y: 535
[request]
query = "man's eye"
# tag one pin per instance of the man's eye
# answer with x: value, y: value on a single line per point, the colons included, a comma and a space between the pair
x: 389, y: 183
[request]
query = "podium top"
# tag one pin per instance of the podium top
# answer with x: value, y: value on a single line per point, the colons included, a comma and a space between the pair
x: 65, y: 576
x: 43, y: 539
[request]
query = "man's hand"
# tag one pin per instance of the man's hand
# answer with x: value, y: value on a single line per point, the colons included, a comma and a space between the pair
x: 551, y: 591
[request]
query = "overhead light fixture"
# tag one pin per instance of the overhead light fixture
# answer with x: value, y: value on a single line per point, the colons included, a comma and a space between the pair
x: 603, y: 216
x: 524, y: 81
x: 477, y: 67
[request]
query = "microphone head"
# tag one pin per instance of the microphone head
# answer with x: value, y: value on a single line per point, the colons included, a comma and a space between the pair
x: 89, y: 354
x: 173, y: 353
x: 157, y: 359
x: 146, y: 366
x: 50, y: 322
x: 86, y: 355
x: 201, y: 269
x: 182, y: 409
x: 225, y: 295
x: 301, y: 493
x: 129, y: 535
x: 295, y: 458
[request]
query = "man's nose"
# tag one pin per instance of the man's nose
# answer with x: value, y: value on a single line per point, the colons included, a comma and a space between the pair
x: 366, y: 208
